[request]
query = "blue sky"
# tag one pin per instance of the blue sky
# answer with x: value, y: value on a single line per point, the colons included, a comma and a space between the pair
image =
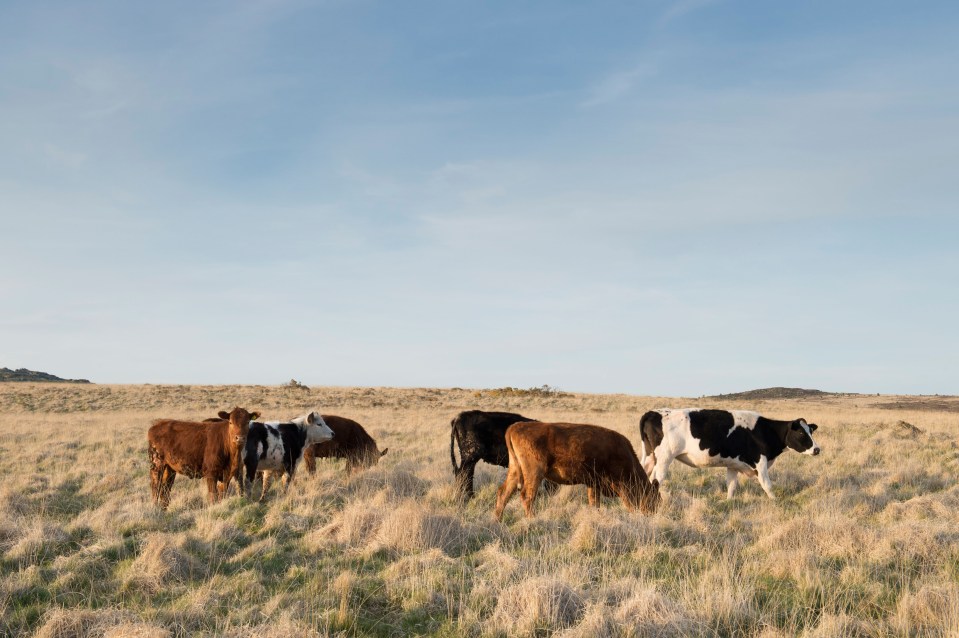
x: 677, y: 197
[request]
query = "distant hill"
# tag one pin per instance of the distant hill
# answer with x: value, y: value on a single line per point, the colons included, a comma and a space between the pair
x: 773, y: 393
x: 6, y: 374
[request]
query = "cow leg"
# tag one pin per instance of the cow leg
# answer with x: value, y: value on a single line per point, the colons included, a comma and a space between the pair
x: 250, y: 479
x: 310, y: 461
x: 225, y: 483
x: 464, y: 478
x: 157, y: 468
x: 592, y: 496
x: 166, y: 485
x: 762, y: 474
x: 265, y: 476
x: 531, y: 481
x: 212, y: 489
x: 156, y: 479
x: 507, y: 489
x: 732, y: 481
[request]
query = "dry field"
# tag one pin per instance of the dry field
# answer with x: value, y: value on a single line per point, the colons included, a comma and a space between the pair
x: 863, y: 540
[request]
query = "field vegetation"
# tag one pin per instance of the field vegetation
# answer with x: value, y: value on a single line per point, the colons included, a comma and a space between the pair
x: 862, y: 540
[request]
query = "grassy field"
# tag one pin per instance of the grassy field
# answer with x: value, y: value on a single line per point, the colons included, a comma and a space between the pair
x: 862, y: 541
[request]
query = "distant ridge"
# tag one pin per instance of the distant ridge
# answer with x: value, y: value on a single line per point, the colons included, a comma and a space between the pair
x: 6, y: 374
x: 773, y: 393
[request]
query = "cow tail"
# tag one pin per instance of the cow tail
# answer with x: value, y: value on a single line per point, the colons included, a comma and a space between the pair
x: 453, y: 437
x: 643, y: 436
x: 512, y: 462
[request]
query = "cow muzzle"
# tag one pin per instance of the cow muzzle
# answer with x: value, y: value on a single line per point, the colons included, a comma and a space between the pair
x: 816, y: 451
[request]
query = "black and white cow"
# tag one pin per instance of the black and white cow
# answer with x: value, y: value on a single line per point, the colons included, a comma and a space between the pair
x: 742, y: 442
x: 277, y: 448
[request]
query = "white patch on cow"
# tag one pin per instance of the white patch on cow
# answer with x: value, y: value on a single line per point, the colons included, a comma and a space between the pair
x: 273, y: 458
x: 744, y: 419
x: 762, y: 473
x: 814, y: 449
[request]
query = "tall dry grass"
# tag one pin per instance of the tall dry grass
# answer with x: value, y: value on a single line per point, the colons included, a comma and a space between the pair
x: 863, y: 541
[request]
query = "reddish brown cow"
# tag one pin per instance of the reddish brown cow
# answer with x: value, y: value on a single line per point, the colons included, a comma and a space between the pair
x: 574, y: 454
x: 212, y: 450
x: 350, y: 442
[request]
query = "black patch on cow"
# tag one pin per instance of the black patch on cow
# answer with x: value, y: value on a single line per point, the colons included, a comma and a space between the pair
x: 294, y: 440
x: 256, y: 436
x: 651, y: 431
x: 714, y: 431
x: 481, y: 437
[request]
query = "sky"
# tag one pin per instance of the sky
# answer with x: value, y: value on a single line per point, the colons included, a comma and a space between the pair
x: 664, y: 197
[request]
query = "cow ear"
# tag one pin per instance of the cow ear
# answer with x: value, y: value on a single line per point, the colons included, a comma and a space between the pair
x: 812, y: 427
x: 385, y: 450
x: 254, y: 416
x: 223, y: 414
x: 310, y: 419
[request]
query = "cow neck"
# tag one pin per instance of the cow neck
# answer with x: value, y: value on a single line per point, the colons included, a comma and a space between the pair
x: 301, y: 434
x: 776, y: 439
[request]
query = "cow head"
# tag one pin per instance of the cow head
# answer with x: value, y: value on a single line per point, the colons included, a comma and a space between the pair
x: 317, y: 431
x: 239, y: 427
x: 650, y: 498
x: 799, y: 437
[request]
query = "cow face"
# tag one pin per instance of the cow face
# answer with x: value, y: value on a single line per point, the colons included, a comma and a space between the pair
x: 240, y: 425
x: 317, y: 431
x: 799, y: 437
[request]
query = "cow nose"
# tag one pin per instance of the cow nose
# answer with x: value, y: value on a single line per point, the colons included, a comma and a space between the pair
x: 815, y: 451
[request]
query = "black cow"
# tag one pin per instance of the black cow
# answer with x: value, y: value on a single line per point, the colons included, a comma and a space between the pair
x: 481, y: 437
x: 742, y: 442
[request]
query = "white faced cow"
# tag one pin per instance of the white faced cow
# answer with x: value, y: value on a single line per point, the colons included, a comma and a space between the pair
x: 742, y: 442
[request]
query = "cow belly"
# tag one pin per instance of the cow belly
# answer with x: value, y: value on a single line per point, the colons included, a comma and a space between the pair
x: 701, y: 458
x: 272, y: 460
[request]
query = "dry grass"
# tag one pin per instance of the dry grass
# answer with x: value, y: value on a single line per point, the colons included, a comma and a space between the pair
x: 863, y: 540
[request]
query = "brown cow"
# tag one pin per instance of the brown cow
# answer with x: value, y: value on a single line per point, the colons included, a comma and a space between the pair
x: 212, y: 450
x: 574, y: 454
x: 350, y: 442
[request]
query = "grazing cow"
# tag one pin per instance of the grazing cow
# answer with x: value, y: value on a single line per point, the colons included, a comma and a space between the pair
x: 276, y: 448
x: 209, y: 450
x: 742, y: 442
x: 481, y: 437
x: 351, y: 442
x: 574, y: 454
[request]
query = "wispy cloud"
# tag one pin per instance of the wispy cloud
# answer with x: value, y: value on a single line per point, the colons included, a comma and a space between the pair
x: 617, y: 84
x: 681, y: 8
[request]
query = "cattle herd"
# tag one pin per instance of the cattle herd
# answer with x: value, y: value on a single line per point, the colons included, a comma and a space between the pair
x: 235, y: 445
